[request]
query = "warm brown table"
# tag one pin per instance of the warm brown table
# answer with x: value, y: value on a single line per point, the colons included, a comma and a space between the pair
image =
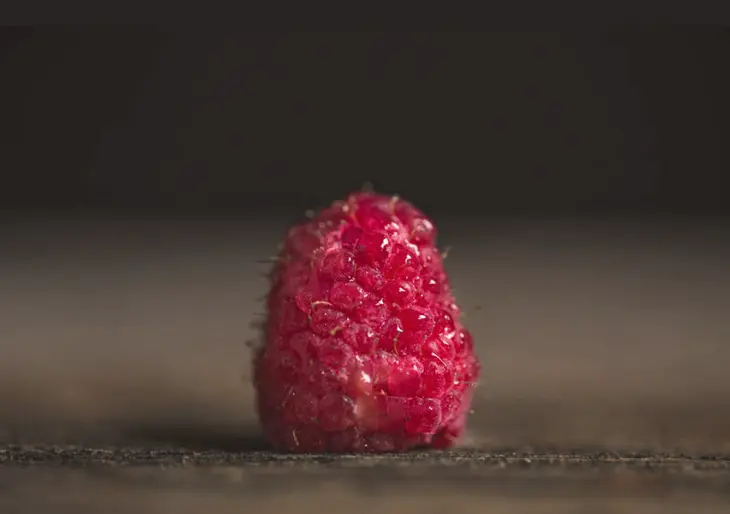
x: 609, y: 336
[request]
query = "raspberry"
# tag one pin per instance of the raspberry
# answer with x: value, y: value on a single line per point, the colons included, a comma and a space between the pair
x: 364, y: 349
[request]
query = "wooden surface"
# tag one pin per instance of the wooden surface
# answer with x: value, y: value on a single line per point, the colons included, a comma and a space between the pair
x: 598, y: 340
x: 78, y: 479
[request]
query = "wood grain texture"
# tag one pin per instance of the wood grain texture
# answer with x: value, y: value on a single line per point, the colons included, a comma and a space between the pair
x: 596, y: 339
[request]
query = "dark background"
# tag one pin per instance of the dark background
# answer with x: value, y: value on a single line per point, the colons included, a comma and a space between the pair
x: 623, y: 120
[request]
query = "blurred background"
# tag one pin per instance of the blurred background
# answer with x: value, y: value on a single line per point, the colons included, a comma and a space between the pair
x: 577, y: 176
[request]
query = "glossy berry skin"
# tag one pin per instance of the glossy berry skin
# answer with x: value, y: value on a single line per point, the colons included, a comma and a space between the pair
x: 364, y: 347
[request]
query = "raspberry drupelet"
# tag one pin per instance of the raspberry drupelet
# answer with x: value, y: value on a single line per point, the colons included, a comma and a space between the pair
x: 364, y: 347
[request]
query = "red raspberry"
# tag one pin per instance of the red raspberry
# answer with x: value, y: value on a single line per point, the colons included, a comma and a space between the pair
x: 364, y: 347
